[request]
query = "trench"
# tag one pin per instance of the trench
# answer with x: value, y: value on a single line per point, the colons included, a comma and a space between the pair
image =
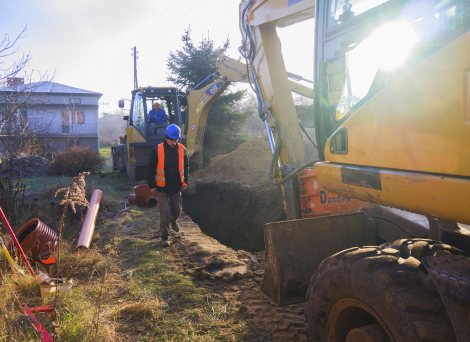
x: 234, y: 214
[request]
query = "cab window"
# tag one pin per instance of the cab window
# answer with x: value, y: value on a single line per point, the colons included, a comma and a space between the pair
x: 343, y: 10
x: 138, y: 117
x: 361, y: 62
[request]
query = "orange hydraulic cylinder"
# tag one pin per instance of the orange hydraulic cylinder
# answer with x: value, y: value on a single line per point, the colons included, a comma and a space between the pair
x: 88, y: 227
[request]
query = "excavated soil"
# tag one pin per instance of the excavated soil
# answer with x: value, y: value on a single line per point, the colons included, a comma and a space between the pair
x: 231, y: 198
x: 236, y: 276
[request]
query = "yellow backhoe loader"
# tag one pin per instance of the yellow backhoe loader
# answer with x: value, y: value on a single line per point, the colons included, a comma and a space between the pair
x: 134, y: 148
x: 400, y: 70
x: 141, y: 136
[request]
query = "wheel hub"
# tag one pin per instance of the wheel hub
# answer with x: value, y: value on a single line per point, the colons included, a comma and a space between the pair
x: 351, y: 320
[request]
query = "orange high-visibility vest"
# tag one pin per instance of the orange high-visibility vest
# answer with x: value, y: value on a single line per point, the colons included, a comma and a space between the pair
x: 160, y: 174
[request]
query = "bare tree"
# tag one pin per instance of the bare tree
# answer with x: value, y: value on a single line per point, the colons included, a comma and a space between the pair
x: 254, y: 126
x: 8, y: 47
x: 22, y: 119
x: 21, y: 100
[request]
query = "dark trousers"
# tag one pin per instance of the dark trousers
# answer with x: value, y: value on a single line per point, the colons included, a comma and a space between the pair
x: 169, y: 206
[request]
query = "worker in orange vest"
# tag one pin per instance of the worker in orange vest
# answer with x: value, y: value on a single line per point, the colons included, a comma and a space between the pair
x: 168, y: 173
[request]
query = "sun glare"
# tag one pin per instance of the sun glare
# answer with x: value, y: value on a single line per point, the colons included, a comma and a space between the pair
x: 393, y: 44
x: 385, y: 49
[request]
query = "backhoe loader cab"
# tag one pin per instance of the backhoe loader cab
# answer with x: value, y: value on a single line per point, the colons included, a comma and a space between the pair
x: 143, y: 100
x: 141, y: 134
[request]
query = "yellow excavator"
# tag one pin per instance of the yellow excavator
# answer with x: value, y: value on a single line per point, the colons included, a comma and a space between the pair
x: 397, y: 270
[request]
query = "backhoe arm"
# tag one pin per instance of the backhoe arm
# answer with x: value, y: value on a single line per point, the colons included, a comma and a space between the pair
x: 200, y: 101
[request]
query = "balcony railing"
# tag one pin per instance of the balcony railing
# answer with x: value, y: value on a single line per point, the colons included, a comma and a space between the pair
x: 61, y: 129
x: 42, y: 128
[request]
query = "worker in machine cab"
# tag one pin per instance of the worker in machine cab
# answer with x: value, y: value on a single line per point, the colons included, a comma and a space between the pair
x: 157, y: 118
x: 168, y: 173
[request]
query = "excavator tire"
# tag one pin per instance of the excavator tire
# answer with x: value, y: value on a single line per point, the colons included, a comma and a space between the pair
x: 120, y: 160
x: 379, y: 294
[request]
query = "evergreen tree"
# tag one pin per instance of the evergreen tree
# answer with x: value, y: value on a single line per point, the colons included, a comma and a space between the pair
x: 188, y: 67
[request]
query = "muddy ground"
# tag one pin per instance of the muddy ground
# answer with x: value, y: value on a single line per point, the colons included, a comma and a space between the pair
x: 231, y: 198
x: 236, y: 275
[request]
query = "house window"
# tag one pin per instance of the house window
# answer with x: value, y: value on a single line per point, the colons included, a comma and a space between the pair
x: 75, y: 100
x: 24, y: 116
x: 78, y: 117
x: 65, y: 122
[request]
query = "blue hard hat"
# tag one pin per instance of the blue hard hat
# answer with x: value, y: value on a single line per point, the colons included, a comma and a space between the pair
x: 173, y: 131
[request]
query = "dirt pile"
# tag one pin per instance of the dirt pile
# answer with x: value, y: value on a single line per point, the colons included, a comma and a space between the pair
x: 231, y: 198
x: 247, y: 165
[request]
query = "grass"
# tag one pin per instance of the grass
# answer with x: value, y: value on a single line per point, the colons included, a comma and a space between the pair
x: 140, y: 288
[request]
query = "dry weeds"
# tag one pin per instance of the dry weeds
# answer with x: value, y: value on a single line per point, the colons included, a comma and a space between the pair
x: 145, y: 295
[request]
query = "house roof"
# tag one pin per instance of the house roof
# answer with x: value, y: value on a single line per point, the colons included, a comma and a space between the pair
x: 49, y: 87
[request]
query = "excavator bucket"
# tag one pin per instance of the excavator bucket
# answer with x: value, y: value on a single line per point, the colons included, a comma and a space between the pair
x: 295, y: 249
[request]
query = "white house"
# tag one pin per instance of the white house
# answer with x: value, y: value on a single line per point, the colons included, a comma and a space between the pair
x: 61, y: 115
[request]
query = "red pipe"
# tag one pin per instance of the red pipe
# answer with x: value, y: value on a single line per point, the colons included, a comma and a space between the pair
x: 15, y: 240
x: 35, y: 238
x: 143, y: 196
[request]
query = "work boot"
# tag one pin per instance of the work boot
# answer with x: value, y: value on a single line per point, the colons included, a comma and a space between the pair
x: 165, y: 242
x: 175, y: 226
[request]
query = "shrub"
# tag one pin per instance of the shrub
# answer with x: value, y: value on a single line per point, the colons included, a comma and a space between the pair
x: 75, y: 160
x: 12, y: 192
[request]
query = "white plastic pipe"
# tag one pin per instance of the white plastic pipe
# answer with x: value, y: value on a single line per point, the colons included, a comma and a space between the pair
x: 88, y: 227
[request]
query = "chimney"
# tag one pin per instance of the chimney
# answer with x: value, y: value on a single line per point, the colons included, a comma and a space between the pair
x: 14, y: 81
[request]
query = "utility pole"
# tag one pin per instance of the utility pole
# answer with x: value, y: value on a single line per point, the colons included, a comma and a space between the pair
x: 136, y: 85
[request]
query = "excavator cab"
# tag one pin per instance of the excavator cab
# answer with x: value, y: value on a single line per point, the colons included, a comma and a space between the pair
x: 365, y: 46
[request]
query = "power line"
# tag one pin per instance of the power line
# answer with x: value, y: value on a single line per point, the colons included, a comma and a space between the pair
x: 124, y: 64
x: 189, y: 10
x: 184, y: 15
x: 156, y: 22
x: 170, y: 17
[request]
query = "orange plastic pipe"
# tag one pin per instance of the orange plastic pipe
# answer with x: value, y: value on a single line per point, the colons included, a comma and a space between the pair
x: 15, y: 240
x: 88, y: 227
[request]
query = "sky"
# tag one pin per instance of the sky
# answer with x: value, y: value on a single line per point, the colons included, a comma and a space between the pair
x: 88, y: 44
